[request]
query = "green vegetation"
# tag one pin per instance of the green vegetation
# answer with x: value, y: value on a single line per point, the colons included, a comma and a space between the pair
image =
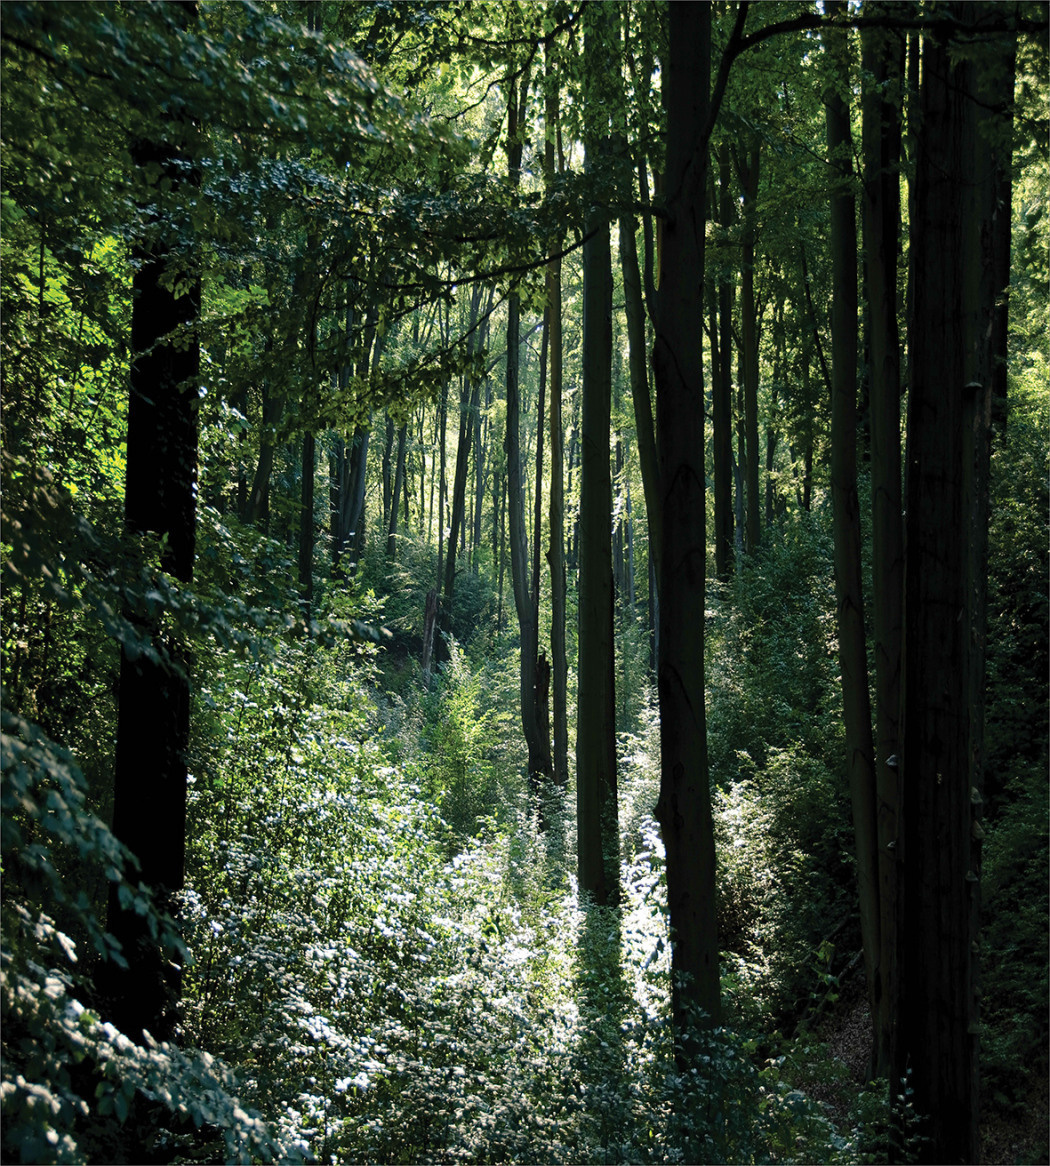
x: 369, y: 942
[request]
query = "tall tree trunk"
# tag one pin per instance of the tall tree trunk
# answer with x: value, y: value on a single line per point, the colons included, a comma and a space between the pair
x: 540, y: 765
x: 556, y: 551
x: 684, y: 806
x: 945, y: 536
x: 642, y: 401
x: 400, y: 484
x: 257, y: 508
x: 352, y: 500
x: 387, y: 470
x: 306, y: 525
x: 722, y: 394
x: 468, y: 409
x: 154, y: 697
x: 596, y: 793
x: 637, y: 364
x: 882, y: 67
x: 537, y: 494
x: 849, y: 597
x: 749, y: 347
x: 479, y: 474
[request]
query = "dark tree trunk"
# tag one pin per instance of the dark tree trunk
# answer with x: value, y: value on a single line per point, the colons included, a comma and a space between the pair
x: 153, y: 711
x: 306, y: 525
x: 479, y: 476
x: 540, y: 764
x: 849, y: 598
x: 882, y: 63
x: 257, y: 507
x: 387, y: 470
x: 468, y: 409
x: 749, y: 347
x: 400, y: 484
x: 684, y: 807
x: 556, y: 552
x: 945, y: 568
x: 722, y: 395
x: 596, y: 813
x: 640, y: 395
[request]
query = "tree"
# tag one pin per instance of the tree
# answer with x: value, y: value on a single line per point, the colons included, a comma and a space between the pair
x: 540, y: 764
x: 684, y: 807
x: 882, y: 98
x: 949, y: 413
x: 849, y: 595
x: 596, y: 812
x: 469, y: 403
x: 556, y: 552
x: 748, y: 168
x: 722, y: 388
x: 149, y: 794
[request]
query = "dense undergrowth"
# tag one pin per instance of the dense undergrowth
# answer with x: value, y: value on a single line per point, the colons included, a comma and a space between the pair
x: 385, y: 960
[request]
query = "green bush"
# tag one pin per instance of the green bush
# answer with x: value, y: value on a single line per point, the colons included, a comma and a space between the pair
x: 74, y: 1088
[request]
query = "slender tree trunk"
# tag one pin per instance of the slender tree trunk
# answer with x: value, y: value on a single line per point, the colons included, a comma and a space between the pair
x: 849, y: 595
x: 154, y: 697
x: 442, y: 441
x: 400, y: 484
x: 556, y: 551
x: 749, y: 348
x: 881, y: 215
x: 479, y: 475
x: 945, y: 533
x: 540, y: 765
x: 257, y: 508
x: 470, y: 397
x: 640, y: 395
x: 387, y: 470
x: 501, y: 547
x: 596, y: 793
x: 722, y: 395
x: 352, y: 498
x: 739, y: 464
x: 684, y: 807
x: 306, y: 525
x: 537, y: 496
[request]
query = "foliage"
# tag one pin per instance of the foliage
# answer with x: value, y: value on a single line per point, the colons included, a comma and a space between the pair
x: 463, y: 745
x: 1014, y: 978
x: 387, y: 955
x: 786, y: 887
x: 74, y: 1088
x: 771, y: 667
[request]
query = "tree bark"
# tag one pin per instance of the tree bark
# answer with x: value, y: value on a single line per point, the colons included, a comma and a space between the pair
x: 749, y: 348
x: 882, y: 64
x: 154, y: 698
x: 400, y: 484
x: 468, y: 409
x: 556, y: 551
x: 645, y: 430
x: 684, y: 807
x: 722, y: 395
x: 539, y: 759
x: 306, y: 525
x: 945, y: 533
x: 596, y: 793
x: 849, y: 596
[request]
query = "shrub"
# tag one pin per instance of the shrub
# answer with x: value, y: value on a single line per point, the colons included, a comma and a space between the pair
x: 75, y: 1088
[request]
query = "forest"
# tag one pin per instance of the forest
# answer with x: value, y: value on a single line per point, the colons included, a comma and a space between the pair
x: 525, y: 581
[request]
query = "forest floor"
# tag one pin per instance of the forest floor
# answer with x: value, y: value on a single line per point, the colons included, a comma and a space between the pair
x: 1020, y: 1135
